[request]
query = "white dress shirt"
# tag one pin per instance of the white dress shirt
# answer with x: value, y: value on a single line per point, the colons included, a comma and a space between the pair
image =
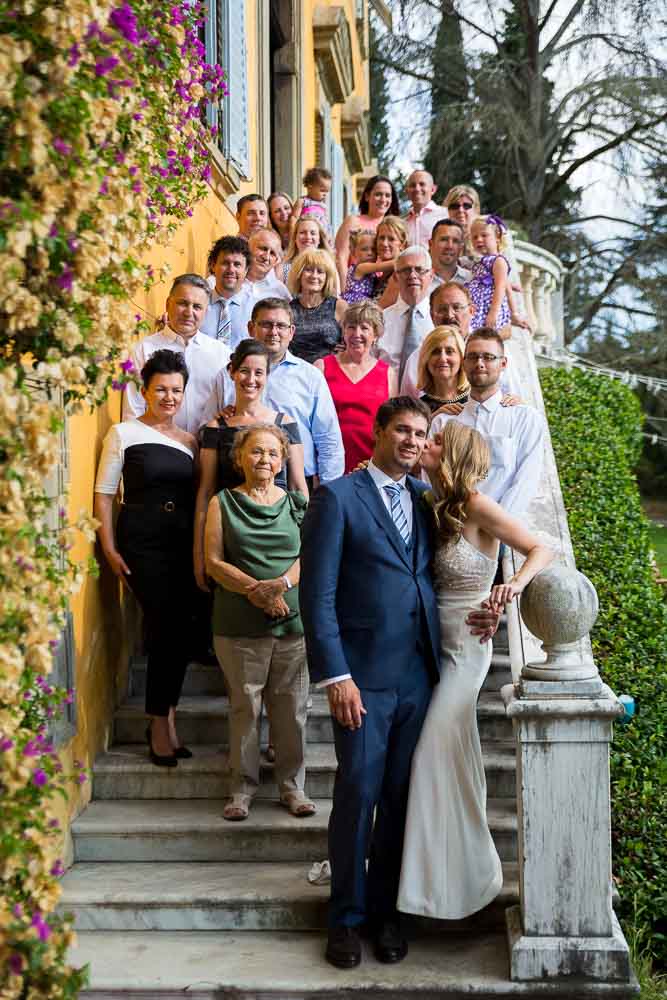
x: 396, y: 319
x: 239, y: 307
x: 461, y: 276
x: 299, y: 389
x: 381, y: 479
x: 420, y: 224
x: 515, y: 435
x: 204, y: 358
x: 269, y: 287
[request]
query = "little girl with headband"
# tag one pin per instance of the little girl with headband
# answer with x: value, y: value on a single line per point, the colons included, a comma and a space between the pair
x: 489, y: 287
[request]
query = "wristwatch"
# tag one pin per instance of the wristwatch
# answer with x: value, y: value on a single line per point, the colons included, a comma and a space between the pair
x: 288, y: 585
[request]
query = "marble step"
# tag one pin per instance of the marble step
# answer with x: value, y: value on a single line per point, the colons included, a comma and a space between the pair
x: 203, y: 679
x: 204, y: 719
x: 125, y: 772
x: 222, y: 897
x: 168, y: 830
x: 206, y: 965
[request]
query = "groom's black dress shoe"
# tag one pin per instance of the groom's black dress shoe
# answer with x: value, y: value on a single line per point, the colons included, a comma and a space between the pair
x: 389, y: 944
x: 343, y: 947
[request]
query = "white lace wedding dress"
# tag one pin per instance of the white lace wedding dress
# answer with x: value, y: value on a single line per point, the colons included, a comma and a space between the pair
x: 450, y: 864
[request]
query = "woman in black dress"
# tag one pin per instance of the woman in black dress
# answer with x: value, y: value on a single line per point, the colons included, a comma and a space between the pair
x: 151, y: 550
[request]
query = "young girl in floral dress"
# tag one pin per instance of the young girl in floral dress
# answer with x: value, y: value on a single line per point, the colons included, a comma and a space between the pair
x: 364, y: 270
x: 490, y: 288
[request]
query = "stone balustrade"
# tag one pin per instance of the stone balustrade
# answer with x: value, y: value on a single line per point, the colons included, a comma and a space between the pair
x: 562, y: 715
x: 541, y: 275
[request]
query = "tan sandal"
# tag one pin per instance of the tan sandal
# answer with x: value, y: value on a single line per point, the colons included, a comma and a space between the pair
x: 298, y: 804
x: 237, y: 808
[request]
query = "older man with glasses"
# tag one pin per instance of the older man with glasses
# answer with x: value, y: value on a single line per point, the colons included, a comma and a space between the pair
x: 407, y: 322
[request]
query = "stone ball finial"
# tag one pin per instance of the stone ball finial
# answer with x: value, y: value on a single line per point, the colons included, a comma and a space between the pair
x: 559, y: 606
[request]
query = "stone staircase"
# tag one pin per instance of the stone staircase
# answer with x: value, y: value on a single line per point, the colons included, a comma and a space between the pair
x: 170, y: 899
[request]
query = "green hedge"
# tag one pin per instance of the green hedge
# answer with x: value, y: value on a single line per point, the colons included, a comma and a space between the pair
x: 595, y: 426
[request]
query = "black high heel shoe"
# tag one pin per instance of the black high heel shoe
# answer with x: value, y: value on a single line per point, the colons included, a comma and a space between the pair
x: 160, y: 760
x: 182, y: 753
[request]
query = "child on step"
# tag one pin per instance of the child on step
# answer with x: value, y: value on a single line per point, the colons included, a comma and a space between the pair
x: 364, y: 270
x: 489, y: 287
x: 313, y: 205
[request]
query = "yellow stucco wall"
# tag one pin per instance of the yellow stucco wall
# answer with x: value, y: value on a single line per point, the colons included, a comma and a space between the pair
x: 104, y: 618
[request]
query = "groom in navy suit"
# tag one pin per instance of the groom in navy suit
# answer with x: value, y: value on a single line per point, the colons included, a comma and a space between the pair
x: 372, y: 635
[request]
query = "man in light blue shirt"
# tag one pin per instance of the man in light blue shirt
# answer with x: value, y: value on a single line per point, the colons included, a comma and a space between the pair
x: 293, y: 387
x: 231, y: 303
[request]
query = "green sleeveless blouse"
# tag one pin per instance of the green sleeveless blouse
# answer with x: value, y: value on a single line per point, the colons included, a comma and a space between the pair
x: 262, y: 541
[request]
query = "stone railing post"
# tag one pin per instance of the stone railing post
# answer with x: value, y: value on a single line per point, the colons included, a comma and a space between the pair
x: 562, y: 714
x: 542, y: 276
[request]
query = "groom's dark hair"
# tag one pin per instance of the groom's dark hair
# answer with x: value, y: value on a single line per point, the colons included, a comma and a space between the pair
x: 401, y: 404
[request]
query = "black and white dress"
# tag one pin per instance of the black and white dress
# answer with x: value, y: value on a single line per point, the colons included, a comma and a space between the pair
x: 154, y: 537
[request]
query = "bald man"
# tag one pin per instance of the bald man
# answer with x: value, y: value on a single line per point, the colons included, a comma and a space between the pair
x: 424, y: 213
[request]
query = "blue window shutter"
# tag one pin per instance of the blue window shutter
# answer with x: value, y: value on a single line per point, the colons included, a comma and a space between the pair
x: 338, y: 178
x: 235, y: 140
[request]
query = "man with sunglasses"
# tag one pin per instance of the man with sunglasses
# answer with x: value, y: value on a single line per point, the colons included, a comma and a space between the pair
x: 407, y: 322
x: 515, y: 434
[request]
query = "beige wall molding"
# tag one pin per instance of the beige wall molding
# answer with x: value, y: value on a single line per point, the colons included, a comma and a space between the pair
x: 333, y: 52
x: 354, y: 134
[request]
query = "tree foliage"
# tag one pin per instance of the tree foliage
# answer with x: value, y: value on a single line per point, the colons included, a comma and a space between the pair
x: 525, y: 101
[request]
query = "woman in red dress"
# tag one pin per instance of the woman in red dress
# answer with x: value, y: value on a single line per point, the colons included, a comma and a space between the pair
x: 358, y: 381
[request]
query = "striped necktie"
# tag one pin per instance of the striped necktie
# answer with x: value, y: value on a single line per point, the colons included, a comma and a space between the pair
x: 397, y: 512
x: 224, y: 323
x: 411, y: 341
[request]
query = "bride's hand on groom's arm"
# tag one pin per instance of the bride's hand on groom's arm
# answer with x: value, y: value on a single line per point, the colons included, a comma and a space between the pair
x: 345, y: 703
x: 484, y: 622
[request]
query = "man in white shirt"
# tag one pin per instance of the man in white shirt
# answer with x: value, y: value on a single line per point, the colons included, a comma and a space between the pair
x: 265, y: 252
x: 515, y: 434
x: 446, y: 246
x: 424, y: 213
x: 294, y: 387
x: 227, y: 315
x: 252, y: 213
x: 186, y: 307
x: 407, y: 322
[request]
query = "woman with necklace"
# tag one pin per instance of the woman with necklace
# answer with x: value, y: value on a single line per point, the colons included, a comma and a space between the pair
x: 248, y: 368
x: 252, y: 554
x: 440, y: 375
x: 358, y: 381
x: 317, y: 311
x: 151, y: 549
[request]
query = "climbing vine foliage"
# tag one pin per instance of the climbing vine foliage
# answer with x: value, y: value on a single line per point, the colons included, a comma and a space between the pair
x: 103, y: 152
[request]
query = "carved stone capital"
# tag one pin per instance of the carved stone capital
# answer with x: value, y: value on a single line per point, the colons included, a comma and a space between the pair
x: 333, y: 52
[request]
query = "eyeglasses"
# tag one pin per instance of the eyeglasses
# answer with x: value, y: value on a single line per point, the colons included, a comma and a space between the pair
x: 486, y: 358
x: 447, y: 307
x: 267, y: 325
x: 461, y: 204
x: 419, y: 271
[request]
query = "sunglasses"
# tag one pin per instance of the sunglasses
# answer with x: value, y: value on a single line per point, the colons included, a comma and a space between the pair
x: 461, y: 204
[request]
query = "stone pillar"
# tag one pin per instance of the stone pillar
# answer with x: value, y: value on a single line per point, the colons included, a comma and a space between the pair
x: 562, y: 716
x: 528, y: 275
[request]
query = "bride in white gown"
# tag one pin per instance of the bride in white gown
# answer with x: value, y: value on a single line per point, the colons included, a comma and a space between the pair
x: 450, y: 864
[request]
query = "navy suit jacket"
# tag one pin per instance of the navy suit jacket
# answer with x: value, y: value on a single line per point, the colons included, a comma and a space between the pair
x: 365, y: 598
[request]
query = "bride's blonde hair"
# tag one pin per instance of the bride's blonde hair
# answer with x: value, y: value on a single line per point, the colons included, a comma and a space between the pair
x: 465, y: 459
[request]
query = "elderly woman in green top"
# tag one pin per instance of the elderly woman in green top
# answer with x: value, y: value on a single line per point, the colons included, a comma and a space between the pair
x: 252, y: 554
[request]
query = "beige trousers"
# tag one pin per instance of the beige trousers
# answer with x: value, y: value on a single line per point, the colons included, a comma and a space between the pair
x: 273, y: 670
